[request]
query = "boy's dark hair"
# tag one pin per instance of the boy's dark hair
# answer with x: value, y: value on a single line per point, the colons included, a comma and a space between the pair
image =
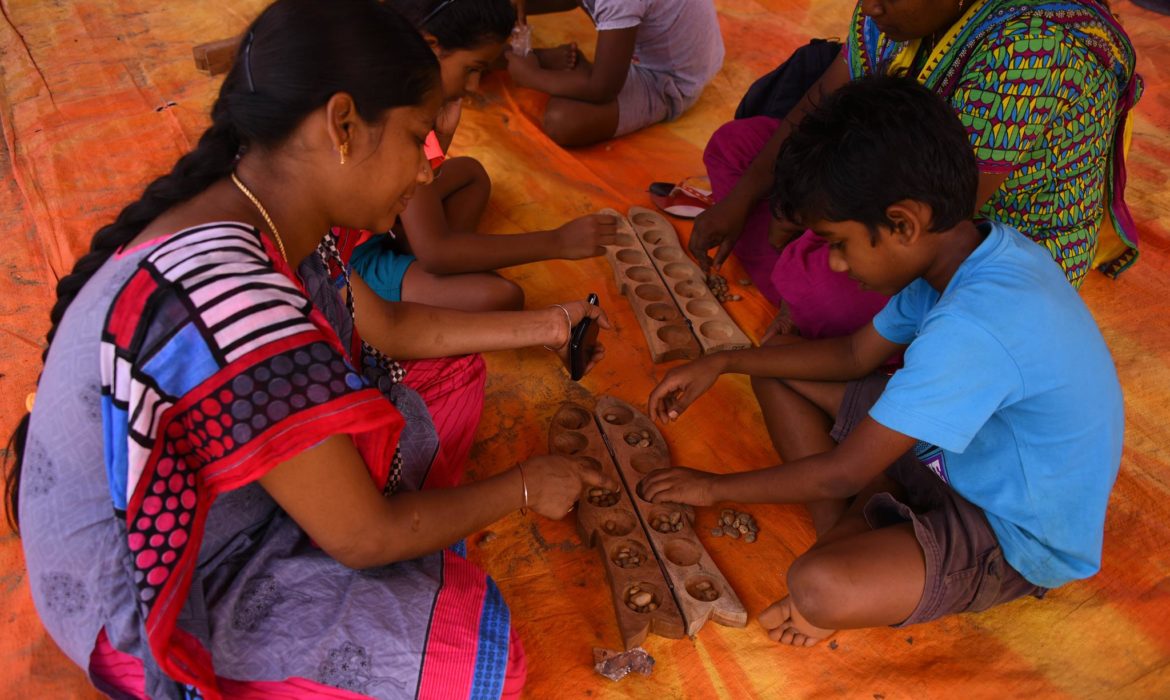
x: 293, y: 58
x: 461, y: 24
x: 873, y: 142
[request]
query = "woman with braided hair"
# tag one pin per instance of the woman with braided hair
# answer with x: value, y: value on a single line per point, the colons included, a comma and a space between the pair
x: 236, y: 510
x: 1044, y: 88
x: 435, y: 255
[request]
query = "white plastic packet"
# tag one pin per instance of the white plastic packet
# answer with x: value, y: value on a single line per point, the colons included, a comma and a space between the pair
x: 521, y: 40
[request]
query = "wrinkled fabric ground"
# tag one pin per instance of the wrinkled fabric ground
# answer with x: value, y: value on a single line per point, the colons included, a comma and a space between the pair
x: 96, y: 98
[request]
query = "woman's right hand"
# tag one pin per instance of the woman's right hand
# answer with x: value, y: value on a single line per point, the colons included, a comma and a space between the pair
x: 556, y: 482
x: 718, y: 227
x: 587, y: 236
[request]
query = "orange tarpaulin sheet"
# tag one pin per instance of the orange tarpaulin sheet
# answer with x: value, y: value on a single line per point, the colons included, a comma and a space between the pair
x: 96, y: 98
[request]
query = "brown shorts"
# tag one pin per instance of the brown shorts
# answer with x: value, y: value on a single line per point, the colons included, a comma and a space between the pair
x: 965, y: 567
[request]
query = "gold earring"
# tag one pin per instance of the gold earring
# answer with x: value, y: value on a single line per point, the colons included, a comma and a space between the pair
x: 344, y: 148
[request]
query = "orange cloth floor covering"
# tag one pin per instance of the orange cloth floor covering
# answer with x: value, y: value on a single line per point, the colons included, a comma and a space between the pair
x: 98, y: 97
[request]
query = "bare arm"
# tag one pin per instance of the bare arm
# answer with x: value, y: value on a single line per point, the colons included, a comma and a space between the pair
x: 828, y: 359
x: 756, y: 182
x: 989, y: 183
x: 406, y: 331
x: 599, y: 83
x: 328, y: 492
x: 839, y: 473
x: 443, y: 251
x: 721, y: 225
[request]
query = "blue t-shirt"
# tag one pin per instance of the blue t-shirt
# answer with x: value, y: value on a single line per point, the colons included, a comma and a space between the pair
x: 1012, y: 393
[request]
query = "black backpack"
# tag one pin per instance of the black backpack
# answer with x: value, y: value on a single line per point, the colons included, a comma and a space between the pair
x: 775, y: 94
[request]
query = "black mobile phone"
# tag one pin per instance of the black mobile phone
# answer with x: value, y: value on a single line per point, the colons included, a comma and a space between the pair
x: 582, y: 341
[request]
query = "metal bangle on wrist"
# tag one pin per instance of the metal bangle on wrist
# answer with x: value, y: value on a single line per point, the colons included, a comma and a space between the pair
x: 569, y: 320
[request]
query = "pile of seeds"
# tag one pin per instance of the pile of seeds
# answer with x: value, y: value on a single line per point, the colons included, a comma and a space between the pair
x: 735, y: 524
x: 627, y: 558
x: 639, y: 600
x: 641, y: 439
x: 718, y: 286
x: 603, y: 498
x: 704, y: 591
x: 667, y: 522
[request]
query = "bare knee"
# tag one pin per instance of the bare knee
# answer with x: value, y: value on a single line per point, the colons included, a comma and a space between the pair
x: 560, y: 123
x: 504, y: 295
x: 814, y: 585
x: 763, y: 385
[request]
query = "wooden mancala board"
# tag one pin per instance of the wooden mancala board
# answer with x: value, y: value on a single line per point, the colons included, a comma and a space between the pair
x: 686, y: 283
x: 652, y: 548
x: 665, y: 328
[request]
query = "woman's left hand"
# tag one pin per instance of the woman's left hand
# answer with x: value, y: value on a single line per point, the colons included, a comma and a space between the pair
x: 578, y: 310
x: 679, y: 485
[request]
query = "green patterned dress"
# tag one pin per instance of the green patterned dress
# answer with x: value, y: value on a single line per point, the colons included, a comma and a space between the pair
x: 1044, y: 89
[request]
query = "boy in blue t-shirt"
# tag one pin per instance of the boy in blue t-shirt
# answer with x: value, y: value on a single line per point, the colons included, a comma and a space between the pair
x: 977, y: 473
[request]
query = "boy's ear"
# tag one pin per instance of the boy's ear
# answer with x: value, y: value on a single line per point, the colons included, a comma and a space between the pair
x: 910, y: 218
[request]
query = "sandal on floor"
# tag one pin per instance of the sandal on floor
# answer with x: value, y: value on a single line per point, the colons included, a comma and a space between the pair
x: 685, y: 200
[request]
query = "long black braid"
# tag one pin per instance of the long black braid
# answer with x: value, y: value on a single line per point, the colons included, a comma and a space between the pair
x: 300, y: 53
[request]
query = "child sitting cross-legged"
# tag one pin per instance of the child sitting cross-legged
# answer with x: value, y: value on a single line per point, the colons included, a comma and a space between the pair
x: 980, y: 471
x: 652, y: 61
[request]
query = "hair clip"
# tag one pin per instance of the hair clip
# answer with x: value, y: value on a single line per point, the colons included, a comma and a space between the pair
x: 431, y: 15
x: 248, y: 62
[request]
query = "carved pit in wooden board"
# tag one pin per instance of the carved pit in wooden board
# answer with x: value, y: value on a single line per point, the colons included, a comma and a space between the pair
x: 686, y: 283
x: 665, y: 328
x: 674, y: 566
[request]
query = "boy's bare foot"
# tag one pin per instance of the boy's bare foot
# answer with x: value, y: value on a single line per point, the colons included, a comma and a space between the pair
x: 786, y: 625
x: 563, y: 57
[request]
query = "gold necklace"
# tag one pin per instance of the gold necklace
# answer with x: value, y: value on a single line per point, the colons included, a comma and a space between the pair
x: 263, y: 212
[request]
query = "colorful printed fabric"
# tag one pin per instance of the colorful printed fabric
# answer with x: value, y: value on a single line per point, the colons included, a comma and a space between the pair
x: 235, y: 376
x: 215, y: 367
x: 1044, y: 88
x: 451, y: 387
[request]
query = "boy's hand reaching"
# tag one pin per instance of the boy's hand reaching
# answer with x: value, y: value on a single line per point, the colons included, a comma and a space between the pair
x: 586, y: 236
x: 679, y: 485
x: 680, y: 387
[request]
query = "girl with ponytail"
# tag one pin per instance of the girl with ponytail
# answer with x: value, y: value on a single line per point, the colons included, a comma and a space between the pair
x: 436, y: 256
x: 219, y: 483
